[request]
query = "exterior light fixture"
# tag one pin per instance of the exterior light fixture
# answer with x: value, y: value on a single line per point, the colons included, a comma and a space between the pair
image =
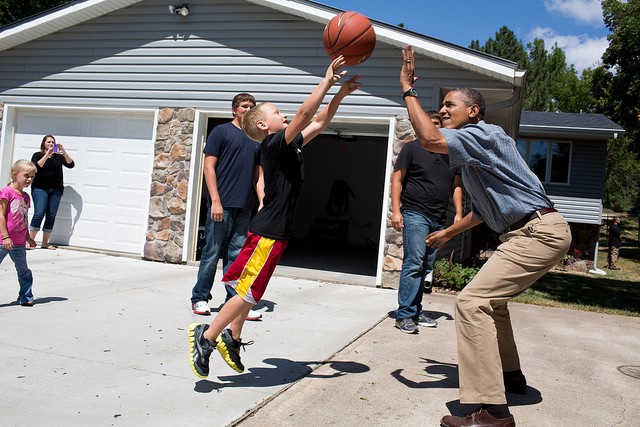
x: 182, y: 10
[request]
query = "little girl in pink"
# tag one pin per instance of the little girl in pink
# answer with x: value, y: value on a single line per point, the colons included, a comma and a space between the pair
x: 14, y: 226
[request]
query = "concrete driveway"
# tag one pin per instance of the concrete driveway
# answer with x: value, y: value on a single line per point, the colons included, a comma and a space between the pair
x: 106, y: 345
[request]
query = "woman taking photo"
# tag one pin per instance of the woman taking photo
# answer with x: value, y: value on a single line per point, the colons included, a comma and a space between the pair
x: 47, y: 187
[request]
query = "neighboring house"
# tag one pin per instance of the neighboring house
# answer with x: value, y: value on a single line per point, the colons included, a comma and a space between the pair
x: 568, y: 152
x: 132, y: 91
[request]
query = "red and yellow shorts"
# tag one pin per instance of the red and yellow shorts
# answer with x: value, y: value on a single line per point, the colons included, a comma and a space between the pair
x: 250, y: 273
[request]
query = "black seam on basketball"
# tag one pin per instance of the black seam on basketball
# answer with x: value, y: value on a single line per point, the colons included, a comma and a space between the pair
x: 335, y: 47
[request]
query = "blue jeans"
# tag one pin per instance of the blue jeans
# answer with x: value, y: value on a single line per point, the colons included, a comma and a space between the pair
x: 417, y: 263
x: 224, y: 240
x: 19, y: 257
x: 45, y: 205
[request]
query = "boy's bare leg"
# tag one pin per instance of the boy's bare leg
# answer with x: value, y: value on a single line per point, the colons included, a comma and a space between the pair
x: 238, y: 322
x: 233, y: 312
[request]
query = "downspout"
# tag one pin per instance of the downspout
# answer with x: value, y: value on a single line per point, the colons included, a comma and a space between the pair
x: 515, y: 99
x: 595, y: 269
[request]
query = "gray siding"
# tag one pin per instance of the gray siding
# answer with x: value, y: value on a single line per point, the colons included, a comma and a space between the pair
x: 588, y: 161
x: 578, y: 210
x: 581, y: 200
x: 143, y: 56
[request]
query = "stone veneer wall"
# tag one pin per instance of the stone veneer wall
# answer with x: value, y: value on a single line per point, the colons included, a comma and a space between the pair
x: 169, y: 186
x: 393, y: 252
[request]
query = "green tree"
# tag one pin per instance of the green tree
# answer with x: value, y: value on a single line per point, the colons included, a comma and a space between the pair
x: 506, y: 45
x: 616, y: 90
x: 14, y: 10
x: 622, y: 61
x: 551, y: 85
x: 622, y: 184
x: 538, y: 94
x: 572, y: 93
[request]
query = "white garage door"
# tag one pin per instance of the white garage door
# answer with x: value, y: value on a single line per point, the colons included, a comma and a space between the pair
x: 106, y: 197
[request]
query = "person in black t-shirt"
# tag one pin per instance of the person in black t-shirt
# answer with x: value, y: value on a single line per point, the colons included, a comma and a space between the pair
x: 421, y: 185
x: 271, y: 228
x: 233, y: 176
x: 47, y: 187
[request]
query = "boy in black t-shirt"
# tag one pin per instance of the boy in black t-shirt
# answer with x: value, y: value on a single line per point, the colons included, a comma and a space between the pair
x: 272, y: 226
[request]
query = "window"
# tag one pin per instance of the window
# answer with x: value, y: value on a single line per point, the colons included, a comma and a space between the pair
x: 549, y: 160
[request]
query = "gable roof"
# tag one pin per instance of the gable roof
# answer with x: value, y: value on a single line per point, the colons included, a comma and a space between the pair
x: 56, y: 19
x: 592, y: 126
x: 79, y: 11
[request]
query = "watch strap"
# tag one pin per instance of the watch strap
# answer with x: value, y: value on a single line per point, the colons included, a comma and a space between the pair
x: 410, y: 92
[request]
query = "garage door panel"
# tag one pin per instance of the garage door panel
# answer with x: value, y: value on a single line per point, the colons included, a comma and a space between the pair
x: 106, y: 197
x: 98, y: 161
x: 125, y: 233
x: 129, y: 198
x: 130, y: 163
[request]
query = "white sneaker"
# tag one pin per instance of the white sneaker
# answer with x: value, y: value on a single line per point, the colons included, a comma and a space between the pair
x: 202, y: 308
x: 254, y: 315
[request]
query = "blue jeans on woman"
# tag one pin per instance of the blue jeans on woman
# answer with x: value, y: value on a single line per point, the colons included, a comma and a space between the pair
x: 45, y: 205
x: 224, y: 240
x: 417, y: 262
x: 25, y: 279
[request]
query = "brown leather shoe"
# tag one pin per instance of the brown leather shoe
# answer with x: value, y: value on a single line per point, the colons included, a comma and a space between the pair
x: 515, y: 382
x: 480, y: 418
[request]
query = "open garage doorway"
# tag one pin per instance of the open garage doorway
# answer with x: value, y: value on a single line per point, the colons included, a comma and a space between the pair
x: 339, y: 213
x: 338, y: 220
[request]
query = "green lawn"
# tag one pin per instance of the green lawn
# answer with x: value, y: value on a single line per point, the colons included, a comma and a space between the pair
x: 616, y: 293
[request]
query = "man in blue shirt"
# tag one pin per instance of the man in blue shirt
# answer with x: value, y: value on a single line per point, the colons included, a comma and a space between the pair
x: 510, y: 199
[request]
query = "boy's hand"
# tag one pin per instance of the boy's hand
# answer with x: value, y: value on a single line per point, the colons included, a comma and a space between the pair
x: 333, y: 75
x: 350, y: 86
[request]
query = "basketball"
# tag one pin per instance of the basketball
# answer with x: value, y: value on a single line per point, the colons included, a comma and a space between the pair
x: 349, y: 34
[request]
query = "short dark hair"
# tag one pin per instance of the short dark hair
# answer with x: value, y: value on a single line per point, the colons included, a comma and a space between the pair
x: 473, y: 97
x: 433, y: 114
x: 240, y: 98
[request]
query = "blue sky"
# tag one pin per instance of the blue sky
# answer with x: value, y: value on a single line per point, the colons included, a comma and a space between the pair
x: 576, y: 25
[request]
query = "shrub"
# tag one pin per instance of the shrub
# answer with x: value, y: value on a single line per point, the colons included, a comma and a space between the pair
x: 452, y: 275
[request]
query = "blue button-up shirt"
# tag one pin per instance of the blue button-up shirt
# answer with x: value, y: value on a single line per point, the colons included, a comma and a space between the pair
x: 502, y: 187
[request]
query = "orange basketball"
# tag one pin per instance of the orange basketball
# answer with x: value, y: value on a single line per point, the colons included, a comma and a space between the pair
x: 349, y: 34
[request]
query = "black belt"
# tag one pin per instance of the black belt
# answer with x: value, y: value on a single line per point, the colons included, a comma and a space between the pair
x: 529, y: 217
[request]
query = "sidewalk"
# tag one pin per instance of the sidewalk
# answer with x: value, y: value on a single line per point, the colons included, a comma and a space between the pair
x: 106, y: 345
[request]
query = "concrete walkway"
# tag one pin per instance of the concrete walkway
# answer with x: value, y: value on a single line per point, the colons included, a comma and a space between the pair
x: 106, y: 345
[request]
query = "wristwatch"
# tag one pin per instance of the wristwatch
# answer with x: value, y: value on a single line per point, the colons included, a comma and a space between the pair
x: 410, y: 92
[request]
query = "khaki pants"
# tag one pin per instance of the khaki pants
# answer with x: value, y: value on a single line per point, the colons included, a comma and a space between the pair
x: 486, y: 346
x: 614, y: 253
